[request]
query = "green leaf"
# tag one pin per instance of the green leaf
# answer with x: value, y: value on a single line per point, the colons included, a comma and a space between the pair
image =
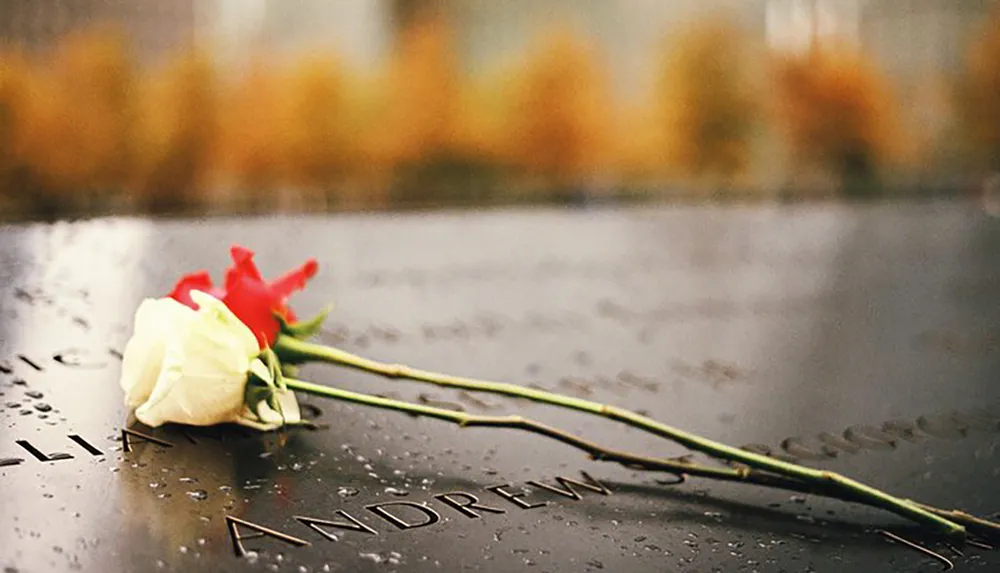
x: 304, y: 328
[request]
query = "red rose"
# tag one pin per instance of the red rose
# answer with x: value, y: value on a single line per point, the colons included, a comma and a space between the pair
x: 247, y: 295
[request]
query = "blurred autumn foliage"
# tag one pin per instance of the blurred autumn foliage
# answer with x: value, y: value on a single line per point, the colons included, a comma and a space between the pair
x: 979, y: 94
x: 837, y: 114
x: 704, y: 103
x: 83, y: 127
x: 177, y: 133
x: 562, y: 118
x: 14, y: 91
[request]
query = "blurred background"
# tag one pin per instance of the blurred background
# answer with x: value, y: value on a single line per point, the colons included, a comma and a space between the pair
x: 242, y: 106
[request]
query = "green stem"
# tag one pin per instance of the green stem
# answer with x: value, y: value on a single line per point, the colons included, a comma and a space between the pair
x: 596, y: 451
x: 293, y: 350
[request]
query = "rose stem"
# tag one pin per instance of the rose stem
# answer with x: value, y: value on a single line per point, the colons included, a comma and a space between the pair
x: 823, y: 480
x: 294, y: 350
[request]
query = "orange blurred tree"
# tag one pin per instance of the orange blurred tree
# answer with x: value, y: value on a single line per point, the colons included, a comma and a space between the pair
x: 706, y: 108
x: 561, y: 120
x: 837, y: 113
x: 79, y: 120
x: 979, y: 93
x: 14, y: 93
x: 438, y: 138
x: 318, y: 128
x: 423, y: 93
x: 176, y: 142
x: 251, y: 134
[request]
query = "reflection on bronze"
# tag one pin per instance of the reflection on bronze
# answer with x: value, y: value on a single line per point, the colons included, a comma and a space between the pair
x: 29, y: 362
x: 233, y: 524
x: 471, y: 502
x: 515, y: 498
x: 379, y: 510
x: 218, y: 433
x: 127, y: 440
x: 567, y: 486
x: 948, y: 565
x: 40, y: 456
x: 354, y: 524
x: 86, y: 445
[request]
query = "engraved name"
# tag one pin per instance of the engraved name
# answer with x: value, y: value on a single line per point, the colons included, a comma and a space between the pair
x: 403, y: 515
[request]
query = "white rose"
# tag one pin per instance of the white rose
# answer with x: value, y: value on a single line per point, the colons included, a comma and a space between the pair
x: 191, y: 367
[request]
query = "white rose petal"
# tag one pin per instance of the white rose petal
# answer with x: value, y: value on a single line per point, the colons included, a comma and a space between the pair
x: 143, y: 355
x: 191, y: 367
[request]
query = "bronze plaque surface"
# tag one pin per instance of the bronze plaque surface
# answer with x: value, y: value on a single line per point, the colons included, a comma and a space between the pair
x: 862, y: 339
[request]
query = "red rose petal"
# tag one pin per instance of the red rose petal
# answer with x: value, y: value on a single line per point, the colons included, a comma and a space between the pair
x: 253, y: 303
x: 295, y: 280
x: 200, y: 280
x: 243, y: 266
x: 247, y: 295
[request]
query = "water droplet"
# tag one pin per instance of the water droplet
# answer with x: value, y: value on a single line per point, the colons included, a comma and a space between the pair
x: 183, y: 549
x: 33, y: 394
x: 187, y: 480
x: 155, y: 485
x: 43, y: 407
x: 396, y: 491
x: 198, y: 494
x: 797, y: 499
x: 806, y: 518
x: 297, y: 466
x: 13, y: 404
x: 251, y: 556
x: 345, y: 491
x: 20, y: 382
x: 373, y: 557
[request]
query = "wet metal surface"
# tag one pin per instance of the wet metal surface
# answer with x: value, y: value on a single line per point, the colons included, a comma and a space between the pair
x: 861, y: 339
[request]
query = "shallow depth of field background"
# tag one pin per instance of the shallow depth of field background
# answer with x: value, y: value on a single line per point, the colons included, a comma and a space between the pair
x: 242, y: 106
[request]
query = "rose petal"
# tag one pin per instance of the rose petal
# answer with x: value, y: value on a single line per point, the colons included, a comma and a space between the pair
x: 243, y: 266
x: 143, y: 356
x: 252, y: 302
x: 203, y: 376
x: 200, y: 280
x: 294, y: 280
